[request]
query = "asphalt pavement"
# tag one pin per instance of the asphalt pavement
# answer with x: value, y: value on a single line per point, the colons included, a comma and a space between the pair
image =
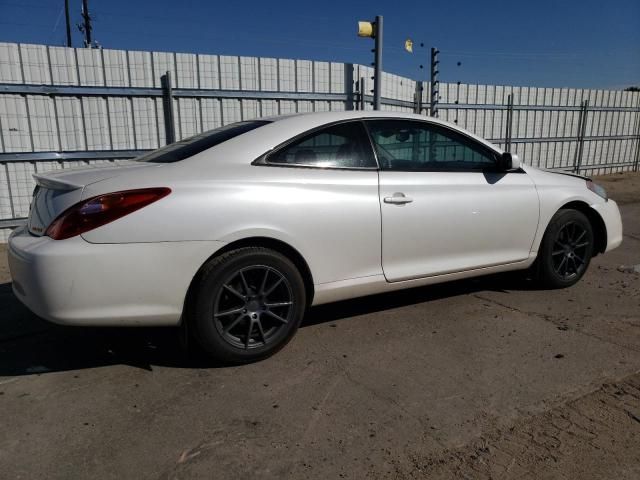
x: 485, y: 378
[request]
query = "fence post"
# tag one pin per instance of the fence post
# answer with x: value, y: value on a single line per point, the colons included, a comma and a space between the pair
x: 435, y: 84
x: 417, y: 98
x: 361, y: 97
x: 582, y: 125
x: 377, y: 81
x: 637, y: 161
x: 509, y: 127
x: 637, y: 158
x: 167, y: 106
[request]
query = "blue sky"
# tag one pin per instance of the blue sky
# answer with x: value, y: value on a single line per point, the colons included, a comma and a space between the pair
x: 579, y: 43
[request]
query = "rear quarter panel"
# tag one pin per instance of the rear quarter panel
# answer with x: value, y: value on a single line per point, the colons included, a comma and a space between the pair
x: 332, y: 217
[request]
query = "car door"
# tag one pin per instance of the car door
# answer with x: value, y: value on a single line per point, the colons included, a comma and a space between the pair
x: 321, y: 191
x: 445, y: 205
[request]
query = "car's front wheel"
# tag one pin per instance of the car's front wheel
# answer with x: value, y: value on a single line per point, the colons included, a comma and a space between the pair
x: 566, y: 249
x: 248, y: 304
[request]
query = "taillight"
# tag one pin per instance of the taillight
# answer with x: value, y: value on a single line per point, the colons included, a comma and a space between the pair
x: 102, y: 209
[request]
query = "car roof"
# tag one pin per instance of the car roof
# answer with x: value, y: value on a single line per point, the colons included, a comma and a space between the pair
x: 280, y: 129
x: 308, y: 121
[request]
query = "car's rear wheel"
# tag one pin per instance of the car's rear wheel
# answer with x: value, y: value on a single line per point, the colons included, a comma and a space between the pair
x: 248, y: 304
x: 566, y: 249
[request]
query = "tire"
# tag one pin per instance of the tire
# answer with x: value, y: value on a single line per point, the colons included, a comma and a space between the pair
x: 247, y: 306
x: 566, y: 250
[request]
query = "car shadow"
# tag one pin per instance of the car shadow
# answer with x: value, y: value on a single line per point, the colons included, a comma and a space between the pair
x: 30, y: 345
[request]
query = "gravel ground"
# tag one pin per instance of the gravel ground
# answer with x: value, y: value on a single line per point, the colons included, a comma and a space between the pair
x: 487, y: 378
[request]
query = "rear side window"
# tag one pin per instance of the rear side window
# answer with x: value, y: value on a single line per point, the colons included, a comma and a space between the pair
x: 339, y: 146
x: 199, y: 143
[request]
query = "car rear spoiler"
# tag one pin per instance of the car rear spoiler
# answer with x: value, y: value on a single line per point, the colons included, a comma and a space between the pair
x: 53, y: 184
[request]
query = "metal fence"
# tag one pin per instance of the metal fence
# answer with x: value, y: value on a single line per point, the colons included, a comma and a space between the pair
x: 64, y: 107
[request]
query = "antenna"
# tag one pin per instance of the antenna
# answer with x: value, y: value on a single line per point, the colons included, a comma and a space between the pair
x: 85, y: 26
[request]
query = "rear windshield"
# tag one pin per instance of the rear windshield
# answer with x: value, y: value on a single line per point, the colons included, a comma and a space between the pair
x: 199, y: 143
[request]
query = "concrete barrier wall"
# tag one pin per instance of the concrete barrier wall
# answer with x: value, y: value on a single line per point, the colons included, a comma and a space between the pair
x: 43, y: 108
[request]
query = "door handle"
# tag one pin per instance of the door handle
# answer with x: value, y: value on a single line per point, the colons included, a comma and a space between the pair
x: 398, y: 198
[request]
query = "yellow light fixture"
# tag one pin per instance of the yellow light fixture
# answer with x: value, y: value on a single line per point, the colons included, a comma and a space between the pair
x: 408, y: 45
x: 365, y: 29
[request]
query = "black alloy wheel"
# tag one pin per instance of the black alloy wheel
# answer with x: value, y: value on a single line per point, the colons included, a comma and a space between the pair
x: 569, y: 255
x: 247, y: 305
x: 252, y: 306
x: 565, y: 250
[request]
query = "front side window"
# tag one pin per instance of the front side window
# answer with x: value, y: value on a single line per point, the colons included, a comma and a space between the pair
x: 406, y: 145
x: 339, y: 146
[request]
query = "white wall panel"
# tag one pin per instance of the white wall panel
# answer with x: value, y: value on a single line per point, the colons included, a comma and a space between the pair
x: 64, y: 70
x: 35, y: 64
x: 250, y: 109
x: 186, y: 70
x: 305, y: 106
x: 146, y: 125
x: 121, y: 123
x: 231, y: 110
x: 211, y: 113
x: 249, y: 76
x: 15, y: 127
x: 229, y: 73
x: 96, y: 123
x: 162, y: 136
x: 208, y: 70
x: 472, y: 94
x: 70, y: 123
x: 269, y: 107
x: 116, y: 68
x: 141, y: 69
x: 304, y: 79
x: 20, y: 176
x: 10, y: 71
x: 321, y: 106
x: 287, y: 75
x: 269, y: 74
x: 321, y: 82
x: 287, y: 106
x: 44, y: 127
x: 90, y: 67
x: 338, y: 71
x: 162, y: 62
x: 188, y: 116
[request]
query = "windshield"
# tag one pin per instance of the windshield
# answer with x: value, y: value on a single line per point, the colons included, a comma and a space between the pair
x: 198, y: 143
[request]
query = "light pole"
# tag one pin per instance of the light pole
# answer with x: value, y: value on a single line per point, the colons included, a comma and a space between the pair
x: 374, y: 30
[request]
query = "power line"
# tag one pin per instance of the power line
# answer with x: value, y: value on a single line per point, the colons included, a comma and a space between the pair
x: 509, y: 54
x: 28, y: 5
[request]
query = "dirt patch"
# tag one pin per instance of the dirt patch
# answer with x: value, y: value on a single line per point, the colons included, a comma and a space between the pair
x: 485, y: 378
x: 594, y: 436
x: 622, y: 187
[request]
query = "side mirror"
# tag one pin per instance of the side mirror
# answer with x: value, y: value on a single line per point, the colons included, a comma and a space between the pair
x: 509, y: 161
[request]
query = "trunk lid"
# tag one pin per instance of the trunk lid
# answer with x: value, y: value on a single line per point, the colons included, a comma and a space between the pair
x: 60, y: 189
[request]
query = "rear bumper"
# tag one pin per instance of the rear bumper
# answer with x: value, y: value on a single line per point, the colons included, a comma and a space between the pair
x: 612, y: 221
x: 74, y: 282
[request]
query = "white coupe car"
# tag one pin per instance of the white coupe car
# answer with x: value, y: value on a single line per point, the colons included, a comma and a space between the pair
x: 235, y: 232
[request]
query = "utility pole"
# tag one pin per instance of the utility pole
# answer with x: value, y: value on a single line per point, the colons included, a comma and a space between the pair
x: 374, y: 30
x: 86, y: 23
x: 66, y: 16
x: 435, y: 83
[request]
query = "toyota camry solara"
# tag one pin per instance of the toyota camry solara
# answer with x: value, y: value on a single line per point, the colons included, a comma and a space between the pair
x: 235, y: 232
